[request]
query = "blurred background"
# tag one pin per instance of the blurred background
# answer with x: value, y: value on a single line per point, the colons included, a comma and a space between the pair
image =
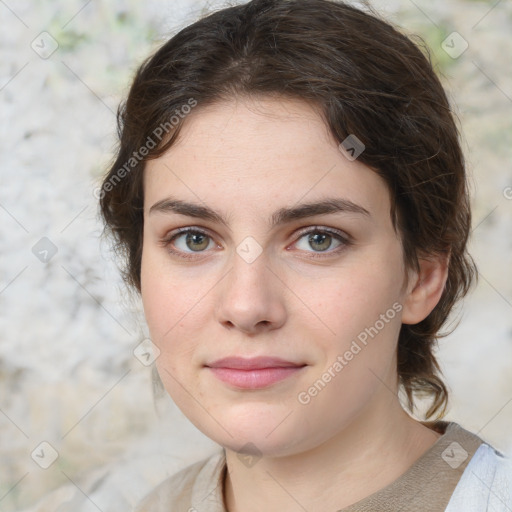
x: 80, y: 427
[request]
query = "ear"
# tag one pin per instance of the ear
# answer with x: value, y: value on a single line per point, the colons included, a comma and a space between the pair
x: 425, y: 288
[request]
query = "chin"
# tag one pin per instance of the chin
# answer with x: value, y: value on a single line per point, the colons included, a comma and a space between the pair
x: 256, y: 433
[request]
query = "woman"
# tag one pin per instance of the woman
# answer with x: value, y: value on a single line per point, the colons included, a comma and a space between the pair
x: 290, y: 195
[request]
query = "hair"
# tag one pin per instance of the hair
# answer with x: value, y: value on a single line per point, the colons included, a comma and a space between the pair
x: 367, y: 79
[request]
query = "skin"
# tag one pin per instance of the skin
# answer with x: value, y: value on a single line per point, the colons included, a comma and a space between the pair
x: 247, y: 158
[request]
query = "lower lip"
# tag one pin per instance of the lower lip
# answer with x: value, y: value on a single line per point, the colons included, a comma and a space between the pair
x: 254, y: 379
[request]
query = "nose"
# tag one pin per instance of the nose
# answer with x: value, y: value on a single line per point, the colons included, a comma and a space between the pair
x: 251, y: 297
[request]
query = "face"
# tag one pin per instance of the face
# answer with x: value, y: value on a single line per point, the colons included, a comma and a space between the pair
x: 235, y: 265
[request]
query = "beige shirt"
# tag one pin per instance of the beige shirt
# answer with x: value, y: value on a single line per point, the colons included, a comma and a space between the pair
x: 425, y: 487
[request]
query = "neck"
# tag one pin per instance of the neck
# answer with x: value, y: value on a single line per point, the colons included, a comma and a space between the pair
x: 363, y: 458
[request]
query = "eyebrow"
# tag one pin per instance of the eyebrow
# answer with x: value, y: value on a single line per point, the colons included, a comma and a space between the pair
x: 281, y: 216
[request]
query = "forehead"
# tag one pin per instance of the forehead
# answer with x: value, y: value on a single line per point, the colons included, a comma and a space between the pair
x: 258, y: 150
x: 281, y: 127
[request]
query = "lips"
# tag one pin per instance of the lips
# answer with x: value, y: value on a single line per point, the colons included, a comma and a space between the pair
x: 253, y: 373
x: 254, y: 363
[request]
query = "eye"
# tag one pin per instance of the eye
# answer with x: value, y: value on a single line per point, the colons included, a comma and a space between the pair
x: 188, y: 241
x: 321, y: 239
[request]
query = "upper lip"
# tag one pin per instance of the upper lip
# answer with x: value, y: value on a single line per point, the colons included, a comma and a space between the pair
x: 254, y: 363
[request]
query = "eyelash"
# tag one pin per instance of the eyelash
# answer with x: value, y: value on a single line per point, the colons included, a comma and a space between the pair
x: 338, y: 235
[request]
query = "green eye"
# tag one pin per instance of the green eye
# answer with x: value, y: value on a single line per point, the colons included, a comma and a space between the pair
x: 188, y: 241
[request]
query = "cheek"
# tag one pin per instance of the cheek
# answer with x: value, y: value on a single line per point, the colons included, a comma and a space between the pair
x: 172, y: 308
x: 166, y: 319
x: 168, y: 322
x: 356, y: 299
x: 160, y: 299
x: 154, y: 298
x: 361, y: 320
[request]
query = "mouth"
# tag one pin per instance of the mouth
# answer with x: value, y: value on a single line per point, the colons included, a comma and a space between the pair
x: 253, y: 373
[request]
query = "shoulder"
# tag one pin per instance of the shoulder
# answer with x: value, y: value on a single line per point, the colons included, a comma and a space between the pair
x: 198, y: 483
x: 486, y: 483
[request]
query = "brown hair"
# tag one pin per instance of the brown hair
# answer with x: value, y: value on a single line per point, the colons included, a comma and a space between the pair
x: 367, y: 79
